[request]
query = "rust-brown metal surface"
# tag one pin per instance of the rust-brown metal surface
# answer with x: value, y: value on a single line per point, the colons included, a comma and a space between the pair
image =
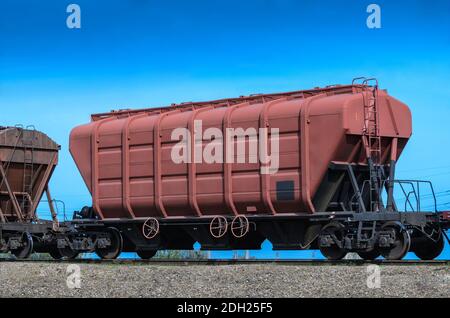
x: 125, y: 160
x: 27, y: 160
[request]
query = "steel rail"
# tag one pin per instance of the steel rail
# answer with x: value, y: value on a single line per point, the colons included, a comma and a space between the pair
x: 216, y: 262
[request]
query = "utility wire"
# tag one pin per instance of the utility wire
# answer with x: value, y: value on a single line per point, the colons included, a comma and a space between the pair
x: 424, y: 169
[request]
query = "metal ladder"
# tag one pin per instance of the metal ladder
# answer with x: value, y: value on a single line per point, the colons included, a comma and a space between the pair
x: 372, y: 143
x: 368, y: 227
x: 28, y: 170
x: 372, y: 140
x: 372, y: 123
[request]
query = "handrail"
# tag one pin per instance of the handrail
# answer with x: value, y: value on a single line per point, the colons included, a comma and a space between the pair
x: 356, y: 79
x: 408, y: 195
x: 337, y: 89
x: 371, y: 79
x: 415, y: 193
x: 57, y: 206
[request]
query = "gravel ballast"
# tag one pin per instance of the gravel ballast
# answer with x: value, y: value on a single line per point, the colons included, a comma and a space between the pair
x: 27, y: 279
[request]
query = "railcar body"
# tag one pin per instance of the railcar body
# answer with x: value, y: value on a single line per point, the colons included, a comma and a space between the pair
x: 125, y: 157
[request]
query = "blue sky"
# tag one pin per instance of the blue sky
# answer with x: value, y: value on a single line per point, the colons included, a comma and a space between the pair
x: 131, y: 54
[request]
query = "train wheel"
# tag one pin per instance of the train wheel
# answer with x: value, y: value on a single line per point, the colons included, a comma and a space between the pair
x: 146, y: 254
x: 401, y: 244
x: 26, y: 249
x: 331, y: 233
x: 68, y: 253
x: 55, y: 253
x: 430, y: 249
x: 112, y: 251
x: 369, y: 255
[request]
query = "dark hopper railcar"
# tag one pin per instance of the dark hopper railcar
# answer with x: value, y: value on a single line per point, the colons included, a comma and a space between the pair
x: 332, y: 189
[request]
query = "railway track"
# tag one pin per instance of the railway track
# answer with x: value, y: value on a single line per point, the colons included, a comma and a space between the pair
x: 218, y: 262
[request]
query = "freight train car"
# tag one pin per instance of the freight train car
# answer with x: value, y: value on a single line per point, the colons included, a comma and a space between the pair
x: 310, y: 169
x: 27, y: 161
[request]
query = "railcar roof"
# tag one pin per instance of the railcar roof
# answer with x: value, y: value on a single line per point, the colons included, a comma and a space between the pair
x: 331, y: 90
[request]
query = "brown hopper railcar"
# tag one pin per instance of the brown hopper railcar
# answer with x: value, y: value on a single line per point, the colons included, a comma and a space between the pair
x: 27, y: 161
